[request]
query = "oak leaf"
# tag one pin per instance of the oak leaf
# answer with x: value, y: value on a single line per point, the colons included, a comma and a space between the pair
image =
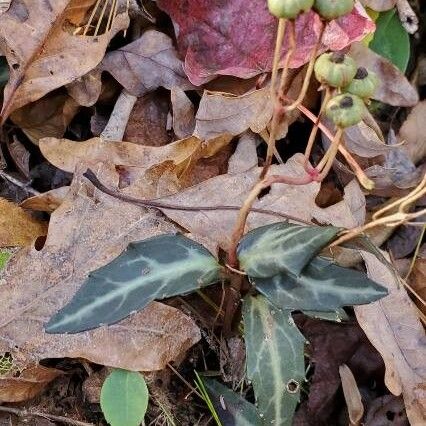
x: 236, y: 37
x: 42, y: 54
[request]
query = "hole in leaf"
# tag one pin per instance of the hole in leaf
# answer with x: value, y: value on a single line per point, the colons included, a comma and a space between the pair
x: 15, y: 66
x: 292, y: 386
x: 39, y: 243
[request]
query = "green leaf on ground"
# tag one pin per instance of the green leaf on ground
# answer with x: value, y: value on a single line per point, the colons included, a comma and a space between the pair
x: 4, y: 257
x: 124, y: 398
x: 322, y: 286
x: 269, y: 250
x: 275, y: 359
x: 391, y: 40
x: 156, y: 268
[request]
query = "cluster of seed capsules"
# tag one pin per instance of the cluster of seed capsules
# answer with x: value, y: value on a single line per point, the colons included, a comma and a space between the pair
x: 353, y: 87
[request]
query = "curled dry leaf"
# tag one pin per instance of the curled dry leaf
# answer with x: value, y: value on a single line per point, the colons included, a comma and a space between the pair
x: 146, y: 64
x: 352, y: 395
x: 236, y: 37
x: 66, y: 154
x: 28, y: 384
x: 183, y: 113
x: 394, y: 88
x: 220, y: 113
x: 399, y: 337
x: 362, y: 140
x: 418, y: 279
x: 413, y: 135
x: 48, y: 201
x: 18, y: 228
x: 42, y: 54
x: 87, y: 231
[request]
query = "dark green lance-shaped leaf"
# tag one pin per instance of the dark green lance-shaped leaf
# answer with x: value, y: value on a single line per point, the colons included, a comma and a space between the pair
x: 269, y: 250
x: 275, y: 361
x: 124, y: 398
x: 156, y: 268
x: 4, y: 71
x: 322, y: 286
x: 391, y: 40
x: 231, y: 408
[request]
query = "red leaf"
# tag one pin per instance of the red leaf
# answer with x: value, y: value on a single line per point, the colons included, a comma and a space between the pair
x: 237, y: 37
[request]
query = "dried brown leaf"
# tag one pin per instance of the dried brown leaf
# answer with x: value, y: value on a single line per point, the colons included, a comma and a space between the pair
x: 18, y: 228
x: 394, y: 88
x: 418, y: 280
x: 183, y: 113
x: 393, y: 327
x: 49, y: 116
x: 66, y: 154
x: 148, y: 120
x: 362, y: 140
x: 146, y: 64
x: 28, y: 384
x: 42, y: 54
x: 48, y: 201
x: 220, y: 113
x: 413, y: 133
x: 352, y: 395
x: 88, y: 230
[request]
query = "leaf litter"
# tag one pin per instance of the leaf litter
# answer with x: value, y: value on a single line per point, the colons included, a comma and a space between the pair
x: 190, y: 107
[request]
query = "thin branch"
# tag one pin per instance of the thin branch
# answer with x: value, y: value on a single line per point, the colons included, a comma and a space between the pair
x: 29, y: 413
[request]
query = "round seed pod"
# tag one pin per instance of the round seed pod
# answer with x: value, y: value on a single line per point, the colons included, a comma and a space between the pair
x: 289, y: 9
x: 345, y: 110
x: 335, y: 69
x: 332, y: 9
x: 364, y: 84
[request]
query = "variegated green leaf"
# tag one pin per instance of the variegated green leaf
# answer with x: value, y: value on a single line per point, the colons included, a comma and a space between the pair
x: 322, y: 286
x: 231, y: 407
x: 155, y: 268
x: 272, y: 249
x: 275, y: 361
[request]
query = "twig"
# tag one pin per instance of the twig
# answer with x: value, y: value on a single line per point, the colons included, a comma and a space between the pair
x: 278, y: 109
x: 29, y: 413
x: 18, y: 183
x: 117, y: 123
x: 166, y: 206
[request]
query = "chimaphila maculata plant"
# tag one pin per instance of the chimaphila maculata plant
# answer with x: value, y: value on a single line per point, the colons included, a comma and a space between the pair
x: 274, y: 270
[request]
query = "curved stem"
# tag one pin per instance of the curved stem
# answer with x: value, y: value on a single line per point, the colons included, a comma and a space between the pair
x: 326, y: 163
x: 241, y: 223
x: 365, y: 181
x: 278, y: 110
x: 277, y: 56
x: 308, y: 74
x: 314, y: 130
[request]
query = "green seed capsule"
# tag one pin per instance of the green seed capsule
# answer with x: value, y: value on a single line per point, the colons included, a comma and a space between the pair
x: 289, y: 9
x: 364, y: 84
x: 332, y: 9
x: 335, y: 69
x: 345, y: 110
